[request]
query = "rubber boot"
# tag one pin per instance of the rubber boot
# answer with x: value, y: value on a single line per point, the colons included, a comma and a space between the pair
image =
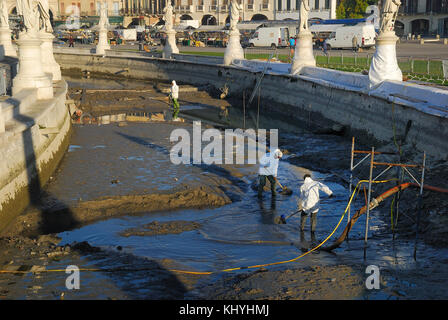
x: 313, y: 221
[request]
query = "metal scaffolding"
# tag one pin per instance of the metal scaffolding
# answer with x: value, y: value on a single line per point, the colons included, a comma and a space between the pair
x: 373, y: 164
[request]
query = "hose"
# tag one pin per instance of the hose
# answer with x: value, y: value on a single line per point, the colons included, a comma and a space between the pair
x: 373, y: 204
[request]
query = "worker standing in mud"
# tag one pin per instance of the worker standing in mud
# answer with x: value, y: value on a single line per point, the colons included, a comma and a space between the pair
x: 309, y: 200
x: 174, y: 95
x: 268, y: 170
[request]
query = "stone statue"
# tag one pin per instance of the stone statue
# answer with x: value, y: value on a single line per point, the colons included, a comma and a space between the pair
x: 168, y: 16
x: 103, y: 16
x: 303, y: 15
x: 4, y: 20
x: 389, y: 14
x: 44, y: 16
x: 29, y: 11
x: 234, y: 14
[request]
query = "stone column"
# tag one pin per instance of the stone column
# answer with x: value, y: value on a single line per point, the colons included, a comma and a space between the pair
x: 102, y: 45
x: 333, y: 9
x: 5, y: 41
x: 384, y: 64
x: 170, y: 45
x: 49, y: 64
x: 233, y: 49
x: 303, y: 53
x: 31, y: 74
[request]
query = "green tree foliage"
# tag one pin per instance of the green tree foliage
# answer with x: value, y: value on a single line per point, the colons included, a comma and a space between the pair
x: 351, y: 9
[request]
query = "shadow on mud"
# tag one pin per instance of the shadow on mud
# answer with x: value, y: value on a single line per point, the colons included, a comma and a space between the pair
x: 136, y: 277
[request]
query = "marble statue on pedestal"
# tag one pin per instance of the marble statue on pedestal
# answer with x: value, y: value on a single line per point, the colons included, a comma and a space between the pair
x: 384, y: 64
x: 170, y: 45
x: 303, y: 53
x: 233, y: 49
x: 168, y: 16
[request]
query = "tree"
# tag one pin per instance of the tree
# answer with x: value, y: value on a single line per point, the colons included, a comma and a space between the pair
x: 352, y: 9
x: 340, y: 10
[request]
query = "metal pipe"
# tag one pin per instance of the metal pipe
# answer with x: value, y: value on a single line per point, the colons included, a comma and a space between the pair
x: 368, y: 201
x: 420, y: 199
x: 351, y: 175
x: 244, y: 109
x: 397, y: 164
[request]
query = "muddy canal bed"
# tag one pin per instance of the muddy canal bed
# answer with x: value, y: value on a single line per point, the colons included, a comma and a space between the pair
x: 140, y: 227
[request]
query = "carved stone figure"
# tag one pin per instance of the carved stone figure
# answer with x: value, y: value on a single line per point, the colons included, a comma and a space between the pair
x: 303, y: 15
x: 168, y: 16
x: 4, y: 14
x: 389, y: 14
x: 234, y: 14
x: 29, y: 11
x: 44, y: 16
x: 103, y: 16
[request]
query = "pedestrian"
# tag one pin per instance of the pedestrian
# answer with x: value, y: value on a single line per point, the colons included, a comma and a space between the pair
x: 355, y: 43
x: 268, y: 170
x: 174, y: 95
x: 309, y: 200
x: 292, y: 44
x: 71, y: 42
x: 325, y: 47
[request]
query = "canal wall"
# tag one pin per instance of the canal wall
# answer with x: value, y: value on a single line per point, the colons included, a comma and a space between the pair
x: 34, y: 135
x: 320, y: 96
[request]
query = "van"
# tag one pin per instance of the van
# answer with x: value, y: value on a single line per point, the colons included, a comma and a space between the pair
x: 342, y: 37
x: 270, y: 37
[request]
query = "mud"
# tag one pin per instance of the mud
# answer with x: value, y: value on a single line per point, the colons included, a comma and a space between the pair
x: 325, y: 283
x: 161, y: 228
x: 114, y: 174
x: 53, y: 217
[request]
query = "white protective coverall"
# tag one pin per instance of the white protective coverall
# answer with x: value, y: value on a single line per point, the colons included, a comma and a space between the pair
x: 269, y: 163
x: 309, y: 195
x: 174, y: 90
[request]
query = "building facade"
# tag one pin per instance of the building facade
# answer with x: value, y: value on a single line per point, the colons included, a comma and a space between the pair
x: 216, y: 12
x: 423, y: 17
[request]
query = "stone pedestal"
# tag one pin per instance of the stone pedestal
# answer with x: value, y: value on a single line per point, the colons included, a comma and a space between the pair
x: 384, y: 64
x: 103, y: 44
x: 233, y: 49
x: 49, y: 65
x: 303, y: 54
x: 170, y: 45
x: 5, y: 41
x: 31, y: 74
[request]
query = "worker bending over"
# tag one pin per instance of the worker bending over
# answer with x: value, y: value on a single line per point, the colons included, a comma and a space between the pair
x: 268, y: 169
x: 309, y: 200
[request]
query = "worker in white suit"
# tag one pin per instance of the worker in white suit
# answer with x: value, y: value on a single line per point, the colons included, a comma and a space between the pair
x: 309, y: 200
x: 268, y: 170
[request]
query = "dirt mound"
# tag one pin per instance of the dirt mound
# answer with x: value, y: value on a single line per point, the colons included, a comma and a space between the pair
x: 160, y: 228
x: 55, y: 218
